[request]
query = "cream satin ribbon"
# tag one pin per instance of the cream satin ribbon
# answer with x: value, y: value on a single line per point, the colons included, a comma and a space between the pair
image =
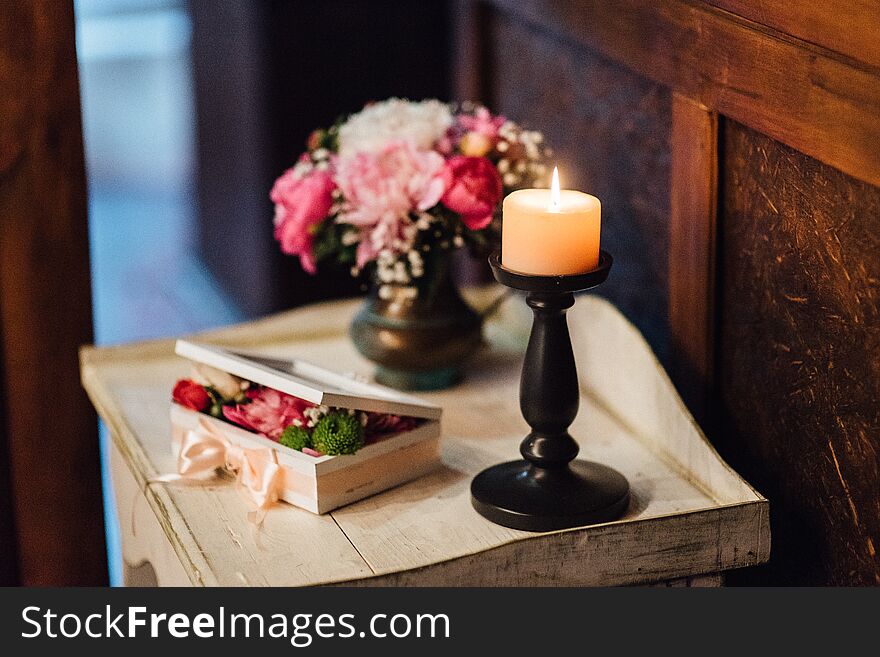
x: 257, y: 471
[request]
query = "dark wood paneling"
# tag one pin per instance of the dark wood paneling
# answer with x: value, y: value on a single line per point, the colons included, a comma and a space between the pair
x: 848, y: 27
x: 799, y: 355
x: 801, y: 95
x: 45, y: 308
x: 693, y: 189
x: 610, y: 131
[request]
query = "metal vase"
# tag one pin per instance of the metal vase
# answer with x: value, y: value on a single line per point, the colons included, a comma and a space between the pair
x: 421, y: 342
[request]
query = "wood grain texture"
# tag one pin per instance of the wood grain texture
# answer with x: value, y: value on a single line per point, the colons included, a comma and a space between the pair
x: 610, y: 133
x: 608, y: 556
x: 693, y: 190
x: 801, y: 95
x: 800, y: 355
x: 691, y: 514
x: 847, y: 27
x: 45, y: 311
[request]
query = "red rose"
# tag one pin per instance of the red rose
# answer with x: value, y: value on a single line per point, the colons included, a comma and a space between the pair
x: 473, y: 190
x: 191, y: 395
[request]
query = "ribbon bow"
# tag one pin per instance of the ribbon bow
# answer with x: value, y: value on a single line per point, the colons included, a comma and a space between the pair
x: 205, y: 449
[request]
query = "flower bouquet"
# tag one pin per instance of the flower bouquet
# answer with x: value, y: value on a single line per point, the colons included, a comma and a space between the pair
x: 392, y: 190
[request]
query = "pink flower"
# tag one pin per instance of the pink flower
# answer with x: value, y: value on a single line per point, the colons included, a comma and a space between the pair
x: 383, y: 424
x: 301, y: 202
x: 473, y: 190
x: 382, y: 189
x: 482, y: 122
x: 270, y: 412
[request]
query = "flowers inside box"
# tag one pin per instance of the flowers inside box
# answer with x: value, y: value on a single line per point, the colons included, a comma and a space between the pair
x: 302, y: 434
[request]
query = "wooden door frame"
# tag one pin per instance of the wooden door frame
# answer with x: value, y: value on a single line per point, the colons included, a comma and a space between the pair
x: 56, y: 535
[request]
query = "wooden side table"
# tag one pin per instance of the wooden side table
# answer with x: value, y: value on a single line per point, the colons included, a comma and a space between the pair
x: 691, y: 516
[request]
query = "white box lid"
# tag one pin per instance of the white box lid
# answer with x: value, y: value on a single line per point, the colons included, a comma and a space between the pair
x: 308, y: 381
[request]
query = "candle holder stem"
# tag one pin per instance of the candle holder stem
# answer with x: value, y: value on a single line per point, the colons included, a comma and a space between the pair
x: 548, y: 393
x: 549, y: 489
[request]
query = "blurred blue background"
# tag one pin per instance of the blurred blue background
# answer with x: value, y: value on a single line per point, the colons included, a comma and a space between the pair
x: 138, y: 124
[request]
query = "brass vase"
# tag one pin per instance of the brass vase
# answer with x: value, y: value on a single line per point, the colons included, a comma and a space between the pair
x: 418, y: 342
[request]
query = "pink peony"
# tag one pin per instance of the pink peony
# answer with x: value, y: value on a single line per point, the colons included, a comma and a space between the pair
x: 473, y: 190
x: 482, y: 122
x: 269, y: 412
x: 382, y: 189
x: 301, y: 202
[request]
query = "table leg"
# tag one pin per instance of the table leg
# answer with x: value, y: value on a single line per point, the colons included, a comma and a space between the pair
x: 148, y: 557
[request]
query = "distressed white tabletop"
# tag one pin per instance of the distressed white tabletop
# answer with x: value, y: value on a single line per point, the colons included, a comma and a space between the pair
x: 690, y: 513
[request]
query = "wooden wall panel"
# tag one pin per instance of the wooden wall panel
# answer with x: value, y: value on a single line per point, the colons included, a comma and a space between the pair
x: 693, y: 189
x: 799, y: 355
x: 610, y: 130
x: 847, y: 27
x: 806, y: 97
x: 45, y: 307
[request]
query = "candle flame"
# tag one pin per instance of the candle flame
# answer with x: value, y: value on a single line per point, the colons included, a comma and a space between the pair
x: 555, y: 196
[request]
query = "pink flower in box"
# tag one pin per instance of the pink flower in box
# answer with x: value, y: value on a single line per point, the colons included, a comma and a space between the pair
x: 383, y: 424
x: 269, y: 412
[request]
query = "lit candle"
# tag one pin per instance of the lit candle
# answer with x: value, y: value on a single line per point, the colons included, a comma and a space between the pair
x: 550, y: 231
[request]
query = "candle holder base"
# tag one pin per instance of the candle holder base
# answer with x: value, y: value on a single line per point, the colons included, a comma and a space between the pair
x: 520, y: 495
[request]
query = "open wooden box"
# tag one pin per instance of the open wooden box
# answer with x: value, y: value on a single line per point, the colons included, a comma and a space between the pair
x: 323, y: 483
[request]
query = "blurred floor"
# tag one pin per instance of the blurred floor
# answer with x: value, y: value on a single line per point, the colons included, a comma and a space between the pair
x: 138, y: 124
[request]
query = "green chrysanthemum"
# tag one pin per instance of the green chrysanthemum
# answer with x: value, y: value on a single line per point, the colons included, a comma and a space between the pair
x: 295, y: 437
x: 338, y: 433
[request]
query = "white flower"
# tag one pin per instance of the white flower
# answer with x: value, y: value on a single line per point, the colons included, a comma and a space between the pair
x: 371, y: 129
x: 224, y: 383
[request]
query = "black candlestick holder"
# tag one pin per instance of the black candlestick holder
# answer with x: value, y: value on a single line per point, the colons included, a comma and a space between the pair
x: 549, y: 489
